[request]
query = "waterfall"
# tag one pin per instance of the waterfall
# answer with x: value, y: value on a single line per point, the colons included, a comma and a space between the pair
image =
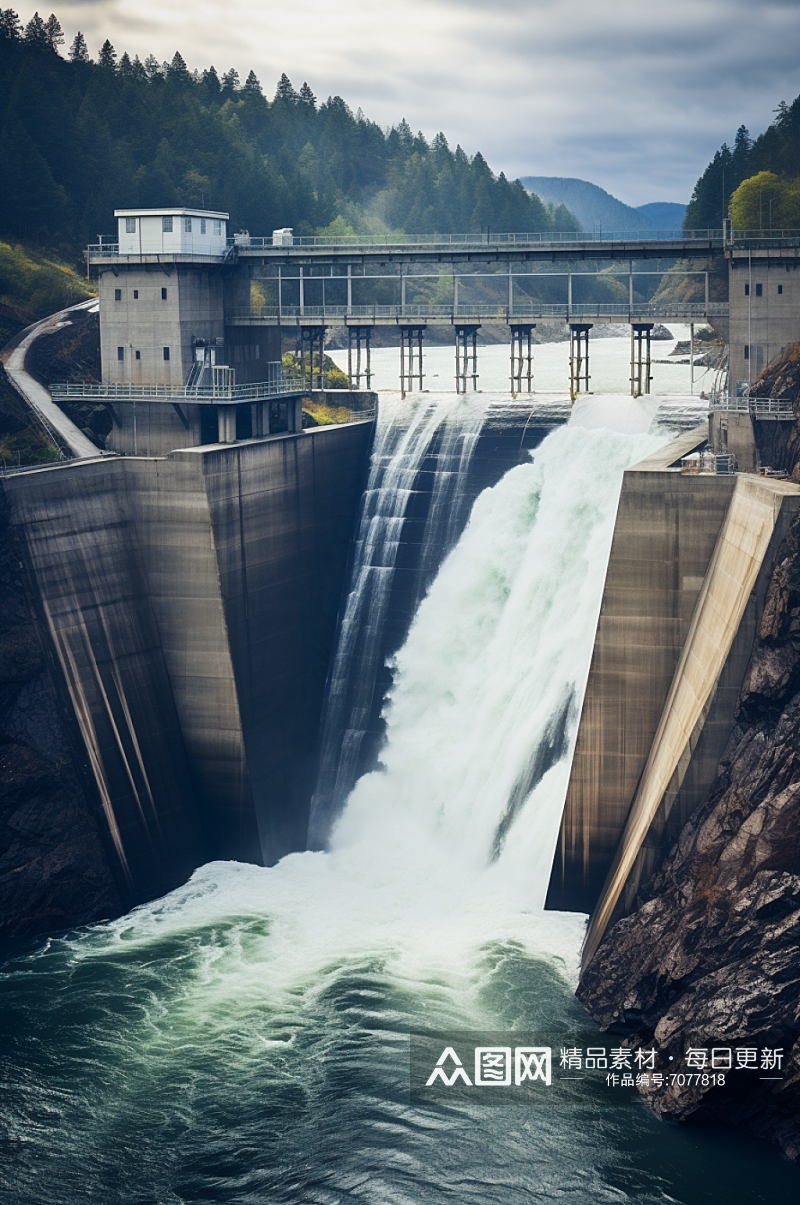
x: 412, y: 436
x: 487, y: 688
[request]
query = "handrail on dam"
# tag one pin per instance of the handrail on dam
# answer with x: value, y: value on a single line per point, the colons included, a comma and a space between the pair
x: 714, y: 239
x: 488, y: 239
x: 246, y: 241
x: 775, y: 408
x: 258, y: 391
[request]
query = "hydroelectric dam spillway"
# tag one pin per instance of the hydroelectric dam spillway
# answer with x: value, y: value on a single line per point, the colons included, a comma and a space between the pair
x: 184, y: 607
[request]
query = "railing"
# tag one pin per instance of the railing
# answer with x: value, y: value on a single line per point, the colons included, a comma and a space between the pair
x: 447, y: 242
x: 491, y: 239
x: 258, y: 391
x: 759, y: 407
x: 766, y: 237
x: 709, y: 462
x: 772, y: 407
x: 732, y: 405
x: 486, y: 311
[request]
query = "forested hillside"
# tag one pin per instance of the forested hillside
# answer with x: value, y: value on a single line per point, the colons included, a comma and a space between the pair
x: 777, y: 150
x: 79, y: 137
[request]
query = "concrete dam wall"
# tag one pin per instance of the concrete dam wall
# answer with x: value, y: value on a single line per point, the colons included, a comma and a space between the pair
x: 685, y: 589
x: 185, y: 608
x: 188, y: 604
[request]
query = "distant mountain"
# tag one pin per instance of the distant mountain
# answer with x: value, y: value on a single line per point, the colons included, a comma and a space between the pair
x: 662, y: 215
x: 596, y: 209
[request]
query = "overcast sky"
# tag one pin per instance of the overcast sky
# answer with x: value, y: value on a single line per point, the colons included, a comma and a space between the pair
x: 633, y: 95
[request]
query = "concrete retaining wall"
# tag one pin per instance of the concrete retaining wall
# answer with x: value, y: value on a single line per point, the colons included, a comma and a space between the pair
x: 191, y: 605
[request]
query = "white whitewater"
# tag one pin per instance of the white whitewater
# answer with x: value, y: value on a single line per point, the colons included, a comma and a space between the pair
x: 408, y: 433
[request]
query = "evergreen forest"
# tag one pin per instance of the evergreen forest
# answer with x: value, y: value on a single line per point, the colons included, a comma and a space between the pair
x: 777, y: 152
x: 79, y: 137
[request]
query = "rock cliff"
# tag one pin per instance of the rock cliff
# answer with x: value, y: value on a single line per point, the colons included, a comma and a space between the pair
x: 712, y: 949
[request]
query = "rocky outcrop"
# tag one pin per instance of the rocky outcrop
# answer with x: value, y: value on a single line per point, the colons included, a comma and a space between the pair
x: 711, y: 953
x: 779, y: 443
x: 53, y: 868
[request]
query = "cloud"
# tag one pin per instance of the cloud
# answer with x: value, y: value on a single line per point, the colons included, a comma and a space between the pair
x: 633, y: 97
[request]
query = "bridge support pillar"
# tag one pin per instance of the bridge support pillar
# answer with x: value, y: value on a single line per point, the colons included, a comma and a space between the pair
x: 521, y: 357
x: 466, y: 356
x: 579, y: 358
x: 295, y: 412
x: 358, y: 356
x: 411, y: 373
x: 259, y: 412
x: 226, y: 424
x: 640, y: 358
x: 312, y: 351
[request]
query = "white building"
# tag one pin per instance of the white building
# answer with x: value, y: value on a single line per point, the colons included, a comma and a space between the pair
x: 171, y: 231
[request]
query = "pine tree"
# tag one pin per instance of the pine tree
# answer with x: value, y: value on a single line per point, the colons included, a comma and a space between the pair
x: 55, y: 33
x: 79, y: 51
x: 307, y: 97
x: 252, y: 85
x: 36, y: 33
x: 405, y: 135
x: 177, y: 71
x: 10, y: 25
x: 152, y: 66
x: 230, y: 82
x: 284, y: 92
x: 210, y: 83
x: 107, y: 57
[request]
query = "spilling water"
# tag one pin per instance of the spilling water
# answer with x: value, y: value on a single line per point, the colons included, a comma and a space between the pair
x: 244, y: 1039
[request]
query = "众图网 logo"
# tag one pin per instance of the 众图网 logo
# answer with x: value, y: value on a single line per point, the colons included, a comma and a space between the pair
x: 493, y: 1067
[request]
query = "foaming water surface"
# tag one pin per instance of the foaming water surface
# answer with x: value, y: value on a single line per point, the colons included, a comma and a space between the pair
x: 245, y: 1039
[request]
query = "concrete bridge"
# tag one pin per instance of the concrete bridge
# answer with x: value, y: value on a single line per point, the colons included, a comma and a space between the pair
x: 237, y: 292
x: 229, y: 298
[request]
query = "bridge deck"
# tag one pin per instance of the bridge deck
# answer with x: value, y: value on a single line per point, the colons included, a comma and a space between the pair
x: 454, y: 248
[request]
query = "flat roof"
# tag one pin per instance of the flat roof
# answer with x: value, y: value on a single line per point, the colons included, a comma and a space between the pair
x: 170, y: 212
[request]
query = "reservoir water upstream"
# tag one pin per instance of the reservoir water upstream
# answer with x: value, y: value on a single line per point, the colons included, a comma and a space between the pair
x: 246, y: 1038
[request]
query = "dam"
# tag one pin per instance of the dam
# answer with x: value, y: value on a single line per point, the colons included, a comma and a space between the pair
x: 282, y: 997
x: 320, y: 694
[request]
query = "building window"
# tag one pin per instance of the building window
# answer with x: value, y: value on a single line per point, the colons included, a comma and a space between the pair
x: 138, y: 355
x: 217, y: 225
x: 202, y: 225
x: 166, y: 353
x: 130, y: 225
x: 187, y: 225
x: 747, y: 290
x: 135, y: 294
x: 163, y: 294
x: 166, y: 225
x: 780, y: 289
x: 118, y: 294
x: 120, y: 353
x: 759, y: 290
x: 747, y: 351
